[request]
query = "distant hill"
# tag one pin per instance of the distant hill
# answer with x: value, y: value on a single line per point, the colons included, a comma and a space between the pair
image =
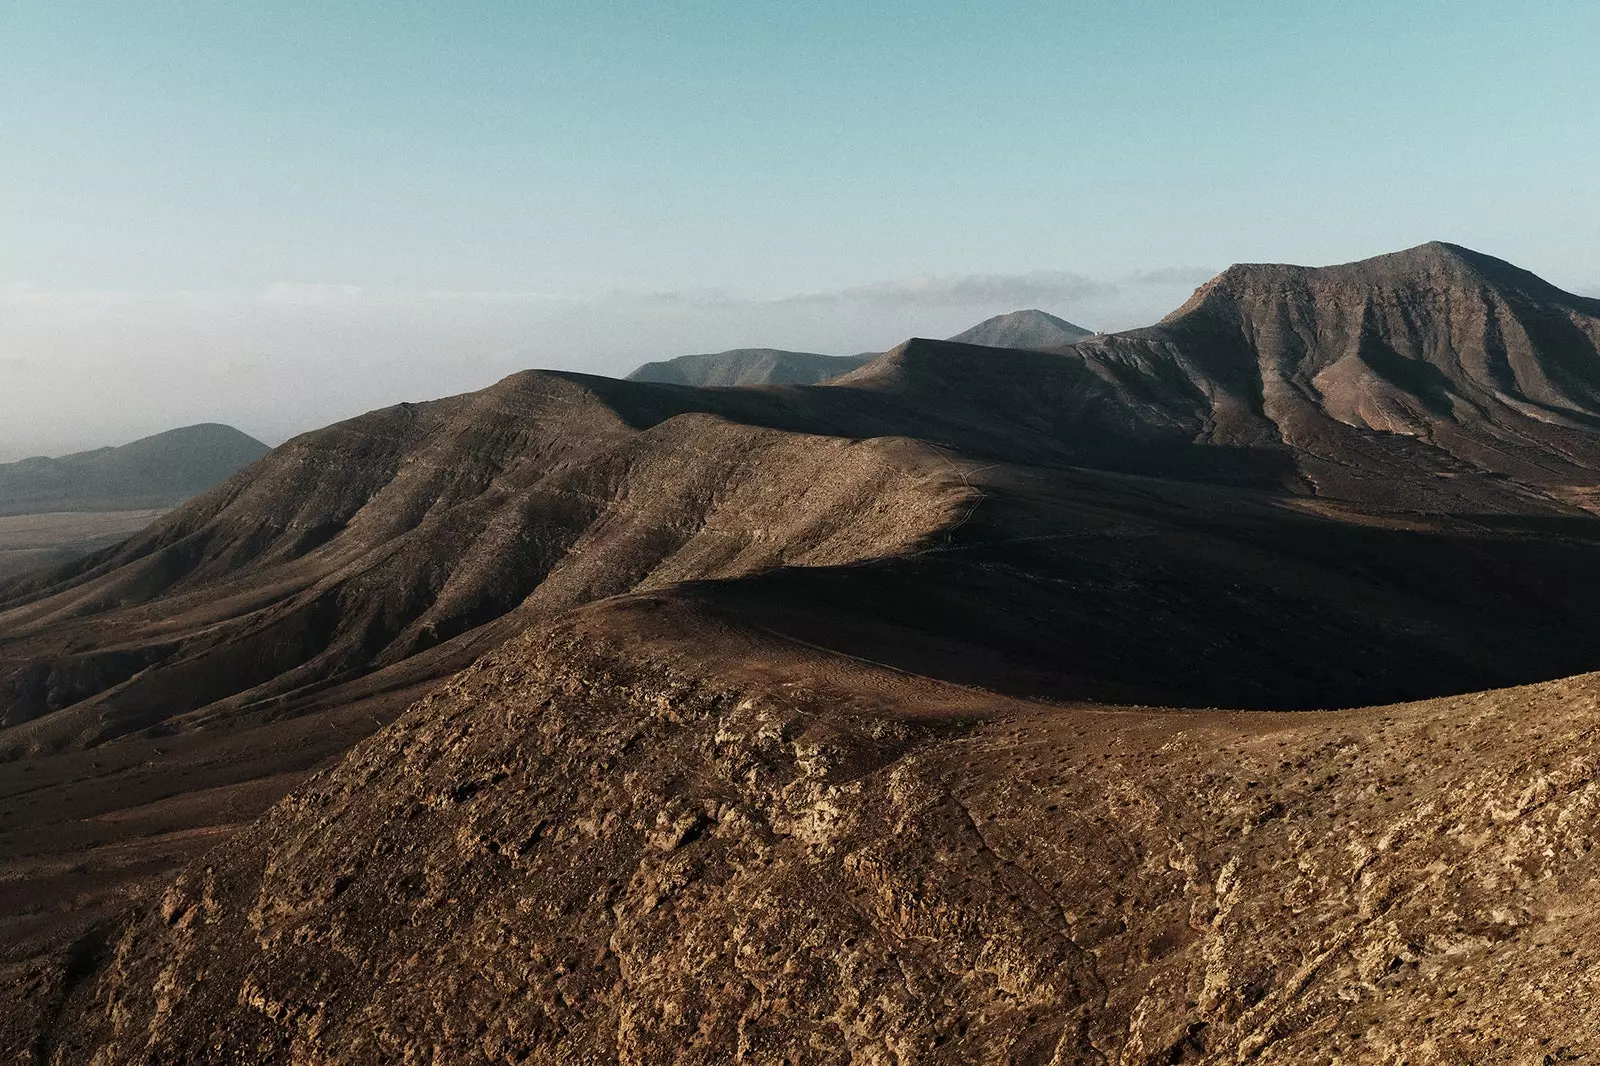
x: 751, y: 366
x: 1023, y: 329
x: 158, y: 471
x: 773, y: 366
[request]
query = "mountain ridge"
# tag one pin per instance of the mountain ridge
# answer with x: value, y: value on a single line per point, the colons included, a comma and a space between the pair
x: 1453, y: 263
x: 848, y: 719
x: 1030, y: 328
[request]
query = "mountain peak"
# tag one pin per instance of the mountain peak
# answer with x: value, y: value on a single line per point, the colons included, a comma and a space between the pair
x: 1443, y: 260
x: 1029, y: 328
x: 1436, y: 265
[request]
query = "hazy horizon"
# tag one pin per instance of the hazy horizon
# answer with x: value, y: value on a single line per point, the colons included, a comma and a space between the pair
x: 249, y: 354
x: 277, y: 218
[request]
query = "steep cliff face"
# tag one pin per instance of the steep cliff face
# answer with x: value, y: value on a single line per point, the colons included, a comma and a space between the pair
x: 576, y: 852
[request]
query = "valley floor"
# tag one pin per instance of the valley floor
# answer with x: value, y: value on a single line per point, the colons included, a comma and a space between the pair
x: 33, y: 541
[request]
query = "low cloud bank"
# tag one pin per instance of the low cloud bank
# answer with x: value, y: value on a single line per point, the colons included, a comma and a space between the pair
x: 83, y: 369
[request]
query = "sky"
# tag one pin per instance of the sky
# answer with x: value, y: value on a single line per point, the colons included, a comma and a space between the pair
x: 279, y: 214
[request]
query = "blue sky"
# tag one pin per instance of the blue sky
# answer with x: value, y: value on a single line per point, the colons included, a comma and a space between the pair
x: 414, y: 198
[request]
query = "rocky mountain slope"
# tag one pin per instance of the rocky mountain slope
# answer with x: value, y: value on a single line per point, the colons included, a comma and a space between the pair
x: 1023, y: 329
x: 396, y: 535
x: 819, y: 722
x: 157, y: 471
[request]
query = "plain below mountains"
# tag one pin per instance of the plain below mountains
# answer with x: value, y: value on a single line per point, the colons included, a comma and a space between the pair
x: 1023, y: 329
x: 772, y: 366
x: 874, y: 721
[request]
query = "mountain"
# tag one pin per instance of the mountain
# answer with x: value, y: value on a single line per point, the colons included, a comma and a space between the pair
x: 1436, y: 363
x: 157, y: 471
x: 1023, y: 329
x: 35, y: 541
x: 750, y: 366
x: 650, y: 722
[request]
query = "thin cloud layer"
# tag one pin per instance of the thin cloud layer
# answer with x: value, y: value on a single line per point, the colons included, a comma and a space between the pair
x: 87, y: 368
x: 1008, y: 291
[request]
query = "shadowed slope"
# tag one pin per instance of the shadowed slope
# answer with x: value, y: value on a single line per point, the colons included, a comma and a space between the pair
x: 1128, y: 589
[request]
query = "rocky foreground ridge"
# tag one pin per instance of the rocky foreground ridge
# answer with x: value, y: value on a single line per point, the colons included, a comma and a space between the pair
x: 823, y: 723
x: 583, y: 852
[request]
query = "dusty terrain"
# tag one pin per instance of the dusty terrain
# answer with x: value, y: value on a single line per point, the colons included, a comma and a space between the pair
x: 580, y: 852
x: 874, y: 721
